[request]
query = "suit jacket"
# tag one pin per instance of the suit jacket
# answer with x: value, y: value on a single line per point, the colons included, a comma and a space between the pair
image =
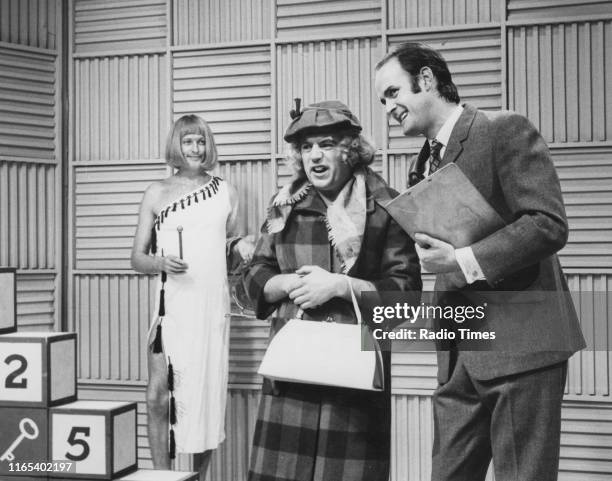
x: 526, y: 296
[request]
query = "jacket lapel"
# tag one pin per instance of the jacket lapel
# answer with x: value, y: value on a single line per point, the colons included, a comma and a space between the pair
x: 459, y: 134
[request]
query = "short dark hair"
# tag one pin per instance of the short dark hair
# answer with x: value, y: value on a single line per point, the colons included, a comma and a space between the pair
x: 413, y: 56
x: 190, y: 124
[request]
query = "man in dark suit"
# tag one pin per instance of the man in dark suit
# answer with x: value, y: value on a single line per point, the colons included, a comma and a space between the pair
x: 503, y: 403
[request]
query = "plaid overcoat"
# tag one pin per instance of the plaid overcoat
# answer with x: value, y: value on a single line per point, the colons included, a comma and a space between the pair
x: 313, y: 433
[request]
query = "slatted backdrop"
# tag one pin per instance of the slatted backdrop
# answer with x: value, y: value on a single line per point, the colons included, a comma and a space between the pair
x: 136, y: 65
x: 31, y: 157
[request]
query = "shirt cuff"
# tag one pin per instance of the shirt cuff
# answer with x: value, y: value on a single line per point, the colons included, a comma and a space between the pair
x: 469, y: 265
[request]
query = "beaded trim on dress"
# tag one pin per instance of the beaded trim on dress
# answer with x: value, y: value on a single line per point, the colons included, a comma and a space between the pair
x: 201, y: 194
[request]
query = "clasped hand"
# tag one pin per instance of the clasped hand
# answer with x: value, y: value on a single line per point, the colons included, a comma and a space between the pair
x: 313, y: 286
x: 436, y: 256
x: 246, y: 247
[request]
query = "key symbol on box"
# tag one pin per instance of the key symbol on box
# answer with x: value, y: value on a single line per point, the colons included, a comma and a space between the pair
x: 24, y: 424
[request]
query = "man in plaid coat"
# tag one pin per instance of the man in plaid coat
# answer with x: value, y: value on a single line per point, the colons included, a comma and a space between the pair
x: 327, y: 225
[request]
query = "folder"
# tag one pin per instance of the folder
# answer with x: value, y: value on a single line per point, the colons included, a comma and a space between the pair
x: 446, y: 206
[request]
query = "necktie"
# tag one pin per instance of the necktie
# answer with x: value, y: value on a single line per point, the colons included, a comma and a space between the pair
x: 434, y: 156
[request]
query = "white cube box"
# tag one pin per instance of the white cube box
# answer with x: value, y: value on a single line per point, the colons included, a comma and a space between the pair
x: 98, y: 436
x: 37, y: 369
x: 159, y: 475
x: 8, y: 300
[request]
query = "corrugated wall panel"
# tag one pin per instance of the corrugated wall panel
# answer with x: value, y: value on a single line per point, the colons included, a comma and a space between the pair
x: 283, y: 172
x: 436, y: 13
x: 414, y: 371
x: 474, y: 58
x: 590, y: 371
x: 215, y: 21
x: 231, y: 460
x: 586, y: 442
x: 27, y: 101
x: 398, y: 170
x: 106, y: 212
x: 120, y: 108
x: 103, y: 25
x: 557, y: 77
x: 28, y: 218
x: 29, y: 22
x: 302, y: 18
x: 411, y: 438
x: 248, y: 343
x: 519, y: 10
x: 586, y: 180
x: 336, y: 69
x: 35, y: 301
x: 229, y: 88
x: 112, y: 316
x: 254, y: 183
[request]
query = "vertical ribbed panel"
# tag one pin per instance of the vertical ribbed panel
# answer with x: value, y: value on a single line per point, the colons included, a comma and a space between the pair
x: 336, y: 69
x: 474, y: 60
x: 106, y: 212
x: 557, y: 77
x: 248, y: 343
x: 399, y: 164
x: 436, y: 13
x: 35, y: 301
x: 216, y: 21
x: 590, y: 370
x: 414, y: 371
x: 253, y: 182
x: 411, y: 438
x: 27, y: 101
x: 586, y: 442
x: 29, y: 22
x: 231, y: 460
x: 103, y: 25
x: 303, y: 18
x: 112, y: 316
x: 586, y: 181
x: 531, y: 9
x: 120, y: 108
x: 28, y: 216
x: 229, y: 88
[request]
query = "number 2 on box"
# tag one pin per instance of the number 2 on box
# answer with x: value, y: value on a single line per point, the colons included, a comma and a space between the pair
x: 10, y: 382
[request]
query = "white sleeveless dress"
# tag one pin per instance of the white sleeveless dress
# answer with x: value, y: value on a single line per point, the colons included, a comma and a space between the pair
x: 195, y: 327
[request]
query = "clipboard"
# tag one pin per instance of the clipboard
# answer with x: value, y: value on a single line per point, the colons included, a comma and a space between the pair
x: 447, y: 206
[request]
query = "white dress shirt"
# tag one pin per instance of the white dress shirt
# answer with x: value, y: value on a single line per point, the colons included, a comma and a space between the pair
x: 465, y: 256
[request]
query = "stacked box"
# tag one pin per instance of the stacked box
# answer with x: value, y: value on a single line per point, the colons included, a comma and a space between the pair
x: 99, y: 436
x: 41, y: 420
x: 37, y: 369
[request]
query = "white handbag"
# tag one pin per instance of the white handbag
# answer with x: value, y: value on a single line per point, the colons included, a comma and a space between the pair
x: 325, y: 353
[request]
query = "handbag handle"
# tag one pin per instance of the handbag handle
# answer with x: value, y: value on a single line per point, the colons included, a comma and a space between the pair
x: 300, y: 311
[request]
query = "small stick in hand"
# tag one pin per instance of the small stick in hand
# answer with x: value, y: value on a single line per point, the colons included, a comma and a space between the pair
x: 180, y: 234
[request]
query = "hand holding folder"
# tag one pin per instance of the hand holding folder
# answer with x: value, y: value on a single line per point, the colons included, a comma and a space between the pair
x: 447, y: 206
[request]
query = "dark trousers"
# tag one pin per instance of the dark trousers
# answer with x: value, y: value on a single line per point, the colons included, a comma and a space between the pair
x: 516, y: 420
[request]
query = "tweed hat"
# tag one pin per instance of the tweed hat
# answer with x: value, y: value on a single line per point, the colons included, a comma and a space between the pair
x: 321, y: 116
